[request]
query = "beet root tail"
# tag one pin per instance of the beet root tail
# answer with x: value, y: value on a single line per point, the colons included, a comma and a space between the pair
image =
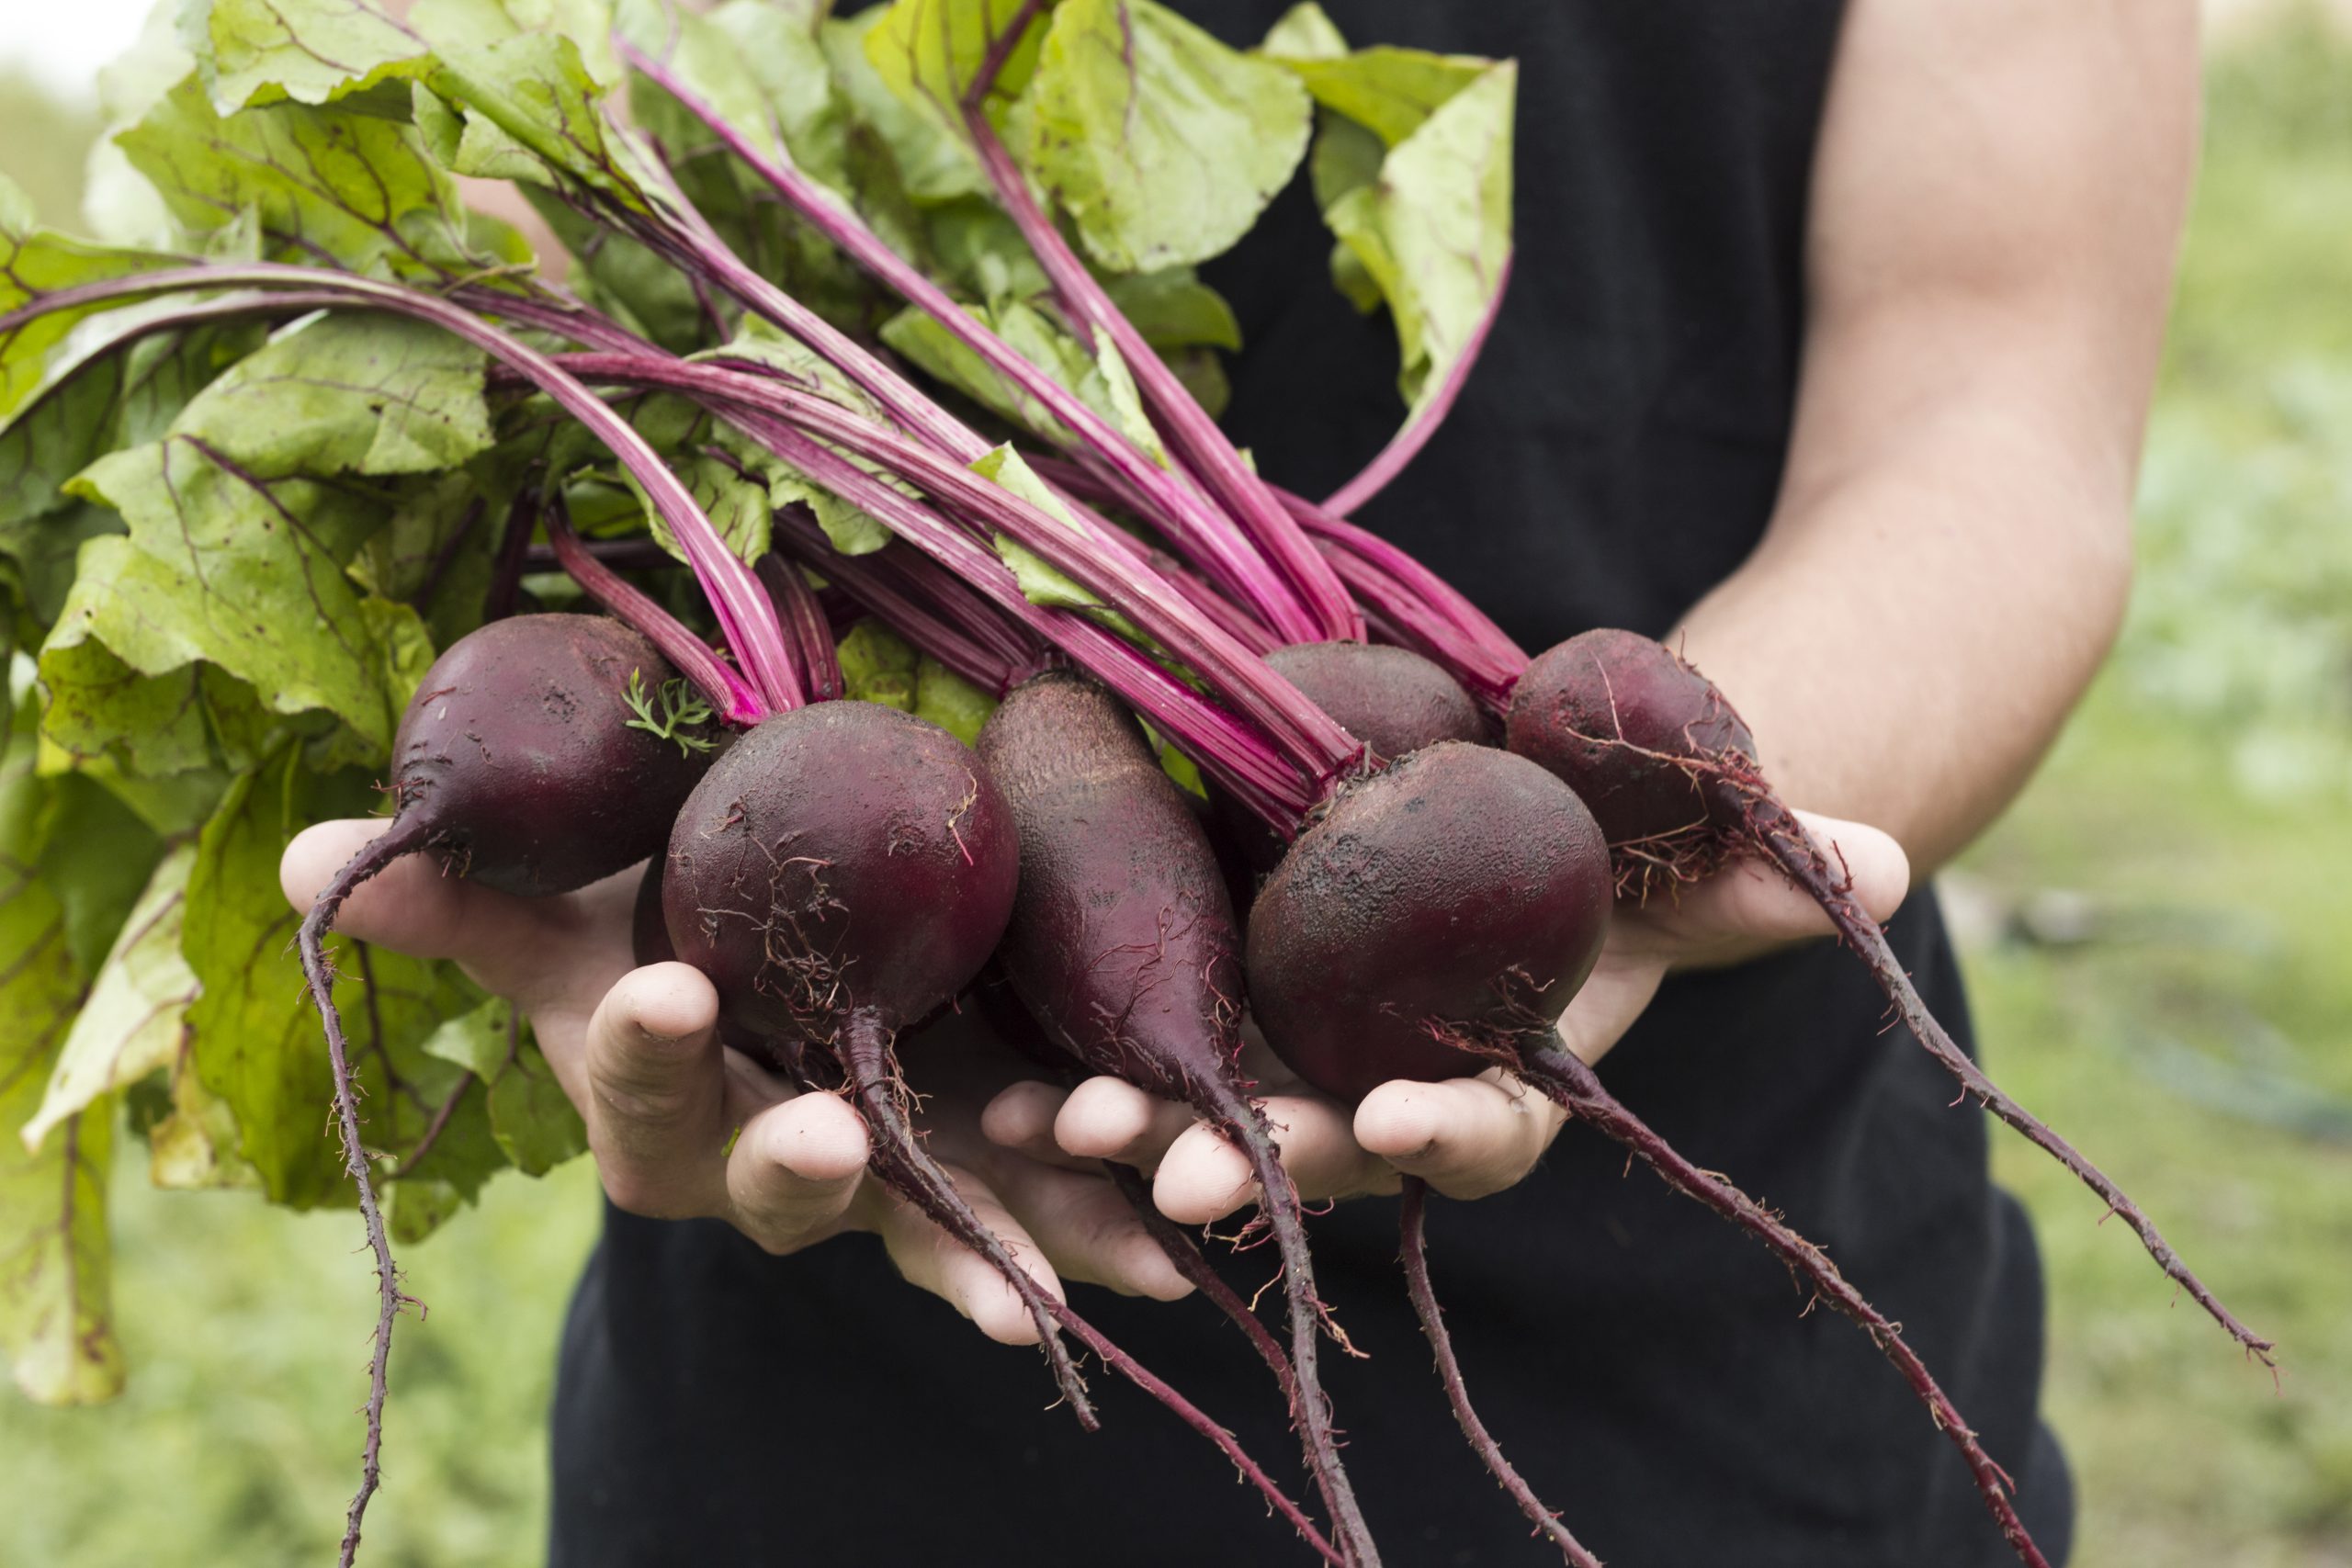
x: 1243, y: 1123
x: 1792, y: 849
x: 1413, y: 1236
x: 872, y: 1067
x: 902, y: 1161
x: 395, y: 841
x: 1568, y: 1080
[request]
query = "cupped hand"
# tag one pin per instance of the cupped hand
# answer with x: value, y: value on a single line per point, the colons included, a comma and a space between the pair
x: 1470, y: 1136
x: 682, y: 1127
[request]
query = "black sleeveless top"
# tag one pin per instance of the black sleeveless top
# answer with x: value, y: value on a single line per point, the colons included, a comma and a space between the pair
x: 1649, y: 1369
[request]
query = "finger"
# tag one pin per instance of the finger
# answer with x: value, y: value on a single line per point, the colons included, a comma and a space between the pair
x: 1021, y: 1118
x: 655, y: 1094
x: 1205, y: 1177
x: 1467, y: 1137
x: 1107, y: 1119
x: 1600, y: 1012
x: 1089, y: 1230
x: 933, y: 1261
x: 415, y: 907
x: 795, y: 1170
x: 1754, y: 900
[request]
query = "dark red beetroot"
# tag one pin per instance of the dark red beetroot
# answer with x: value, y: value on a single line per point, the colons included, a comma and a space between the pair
x: 844, y: 871
x: 1391, y: 699
x: 1670, y: 772
x: 517, y: 764
x: 1122, y: 946
x: 1396, y: 702
x: 1441, y: 910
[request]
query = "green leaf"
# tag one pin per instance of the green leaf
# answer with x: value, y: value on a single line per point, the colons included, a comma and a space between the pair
x: 1103, y: 383
x: 1041, y: 582
x: 241, y: 572
x: 1433, y: 232
x: 36, y: 262
x: 623, y: 278
x: 477, y: 1041
x: 975, y: 247
x: 538, y: 73
x: 458, y: 25
x: 132, y: 1023
x: 1173, y: 308
x: 123, y: 390
x: 55, y: 1307
x: 950, y: 701
x: 763, y: 73
x: 849, y: 529
x: 194, y: 1148
x: 892, y: 143
x: 438, y: 548
x: 930, y: 53
x: 260, y: 51
x: 531, y: 1117
x: 259, y: 1045
x: 1391, y: 92
x: 97, y: 857
x: 877, y: 665
x: 359, y: 393
x: 1305, y: 32
x: 331, y: 182
x: 99, y: 708
x: 1163, y: 144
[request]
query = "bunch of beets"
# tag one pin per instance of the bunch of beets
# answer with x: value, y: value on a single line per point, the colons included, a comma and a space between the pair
x: 1437, y: 827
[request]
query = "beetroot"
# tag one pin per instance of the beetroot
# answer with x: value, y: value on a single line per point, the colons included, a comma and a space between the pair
x: 1670, y: 772
x: 843, y: 872
x: 840, y: 874
x: 1122, y: 946
x: 524, y: 764
x: 1443, y: 909
x: 845, y: 869
x: 1391, y: 699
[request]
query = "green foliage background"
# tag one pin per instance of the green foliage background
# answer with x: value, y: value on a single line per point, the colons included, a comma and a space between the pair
x: 2158, y: 935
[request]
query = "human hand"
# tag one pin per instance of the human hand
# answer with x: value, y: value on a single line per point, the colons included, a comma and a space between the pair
x: 1470, y: 1136
x: 682, y: 1127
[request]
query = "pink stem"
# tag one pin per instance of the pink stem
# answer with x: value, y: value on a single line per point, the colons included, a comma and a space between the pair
x: 1161, y: 612
x: 736, y: 702
x: 1406, y: 443
x: 1195, y: 525
x: 1319, y: 609
x: 804, y: 620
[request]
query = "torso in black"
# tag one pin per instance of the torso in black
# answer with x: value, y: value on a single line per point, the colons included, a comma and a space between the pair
x: 1650, y: 1370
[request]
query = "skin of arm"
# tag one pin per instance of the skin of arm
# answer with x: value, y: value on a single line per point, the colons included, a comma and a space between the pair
x: 1998, y: 192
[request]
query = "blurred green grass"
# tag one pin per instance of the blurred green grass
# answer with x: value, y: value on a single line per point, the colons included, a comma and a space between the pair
x: 2159, y: 967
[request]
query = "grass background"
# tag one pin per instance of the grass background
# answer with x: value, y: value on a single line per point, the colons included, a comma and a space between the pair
x: 2157, y: 937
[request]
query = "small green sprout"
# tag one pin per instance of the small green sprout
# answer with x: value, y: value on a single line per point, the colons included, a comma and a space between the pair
x: 682, y: 710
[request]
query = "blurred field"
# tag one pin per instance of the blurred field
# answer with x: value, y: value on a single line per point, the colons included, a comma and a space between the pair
x: 2159, y: 934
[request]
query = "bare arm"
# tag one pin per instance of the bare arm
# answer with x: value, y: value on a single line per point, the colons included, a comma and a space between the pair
x: 1995, y: 205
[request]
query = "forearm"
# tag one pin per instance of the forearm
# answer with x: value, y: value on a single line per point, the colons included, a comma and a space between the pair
x: 1997, y: 193
x: 1913, y: 633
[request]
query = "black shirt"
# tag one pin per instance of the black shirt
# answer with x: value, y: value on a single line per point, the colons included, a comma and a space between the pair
x: 1651, y: 1370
